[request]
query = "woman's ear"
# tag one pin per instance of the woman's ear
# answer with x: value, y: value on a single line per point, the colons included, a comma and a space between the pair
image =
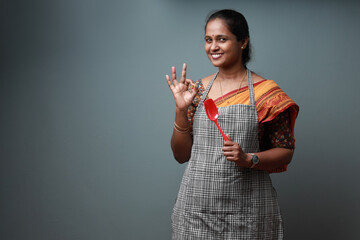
x: 244, y: 43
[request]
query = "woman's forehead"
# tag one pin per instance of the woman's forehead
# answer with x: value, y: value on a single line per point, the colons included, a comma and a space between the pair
x: 217, y: 27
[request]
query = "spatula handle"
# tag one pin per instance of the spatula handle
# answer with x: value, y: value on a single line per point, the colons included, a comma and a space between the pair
x: 221, y: 131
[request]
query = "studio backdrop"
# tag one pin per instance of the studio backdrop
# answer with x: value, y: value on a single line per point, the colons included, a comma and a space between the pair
x: 86, y: 115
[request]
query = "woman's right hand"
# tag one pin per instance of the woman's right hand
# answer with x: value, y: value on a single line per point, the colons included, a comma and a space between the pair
x: 182, y: 96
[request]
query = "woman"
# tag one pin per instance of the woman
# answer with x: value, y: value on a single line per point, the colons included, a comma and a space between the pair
x: 226, y: 191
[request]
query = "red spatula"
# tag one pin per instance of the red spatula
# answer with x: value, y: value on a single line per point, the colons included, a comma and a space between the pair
x: 213, y: 114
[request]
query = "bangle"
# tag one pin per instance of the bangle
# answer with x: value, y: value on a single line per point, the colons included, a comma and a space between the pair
x: 180, y: 129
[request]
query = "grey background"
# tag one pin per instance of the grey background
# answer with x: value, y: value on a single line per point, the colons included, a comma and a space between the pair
x: 86, y: 115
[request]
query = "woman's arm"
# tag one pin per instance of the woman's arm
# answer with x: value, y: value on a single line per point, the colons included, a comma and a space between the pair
x: 272, y: 159
x: 268, y: 160
x: 279, y: 145
x: 181, y: 140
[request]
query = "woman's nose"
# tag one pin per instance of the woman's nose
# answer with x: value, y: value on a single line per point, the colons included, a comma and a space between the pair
x: 214, y: 46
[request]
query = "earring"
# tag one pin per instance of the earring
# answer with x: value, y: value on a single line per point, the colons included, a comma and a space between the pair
x: 242, y: 47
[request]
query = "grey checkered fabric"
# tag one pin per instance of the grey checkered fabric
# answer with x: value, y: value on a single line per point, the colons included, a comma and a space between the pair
x: 218, y: 199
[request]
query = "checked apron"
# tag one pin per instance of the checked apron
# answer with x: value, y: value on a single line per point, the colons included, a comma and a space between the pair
x: 218, y: 199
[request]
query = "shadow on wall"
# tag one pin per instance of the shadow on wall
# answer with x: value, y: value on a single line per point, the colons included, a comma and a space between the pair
x: 317, y: 201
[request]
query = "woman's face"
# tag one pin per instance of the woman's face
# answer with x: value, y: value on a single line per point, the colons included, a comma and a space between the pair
x: 221, y: 46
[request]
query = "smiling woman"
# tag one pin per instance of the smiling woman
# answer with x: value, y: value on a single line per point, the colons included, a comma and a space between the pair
x: 226, y: 191
x: 234, y: 29
x: 221, y: 46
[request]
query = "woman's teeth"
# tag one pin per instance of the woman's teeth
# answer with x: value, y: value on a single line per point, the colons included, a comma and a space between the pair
x: 216, y: 55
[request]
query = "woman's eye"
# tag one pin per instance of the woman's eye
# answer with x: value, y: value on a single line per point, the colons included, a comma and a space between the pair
x: 207, y: 39
x: 222, y: 39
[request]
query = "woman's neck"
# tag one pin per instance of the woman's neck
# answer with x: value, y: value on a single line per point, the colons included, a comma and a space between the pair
x: 231, y: 74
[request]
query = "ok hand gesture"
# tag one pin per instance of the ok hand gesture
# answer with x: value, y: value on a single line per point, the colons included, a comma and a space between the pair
x: 183, y: 97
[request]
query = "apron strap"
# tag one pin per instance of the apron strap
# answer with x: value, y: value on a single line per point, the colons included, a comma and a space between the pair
x: 251, y: 87
x: 208, y: 89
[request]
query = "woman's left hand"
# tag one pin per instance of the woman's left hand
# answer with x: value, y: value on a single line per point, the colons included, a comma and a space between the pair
x: 234, y: 153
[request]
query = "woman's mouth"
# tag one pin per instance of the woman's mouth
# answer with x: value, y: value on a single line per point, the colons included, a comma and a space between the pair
x: 216, y: 55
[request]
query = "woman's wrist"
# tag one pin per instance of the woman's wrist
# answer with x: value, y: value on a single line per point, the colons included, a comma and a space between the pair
x: 182, y: 111
x: 181, y: 123
x: 248, y: 161
x: 181, y: 117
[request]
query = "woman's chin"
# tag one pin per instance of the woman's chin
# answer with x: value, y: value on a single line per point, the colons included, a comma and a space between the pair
x: 216, y: 63
x: 219, y: 65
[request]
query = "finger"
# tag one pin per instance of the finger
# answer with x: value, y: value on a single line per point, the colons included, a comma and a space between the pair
x: 183, y: 74
x: 173, y: 72
x: 194, y: 92
x: 228, y: 154
x: 229, y: 158
x: 228, y: 148
x: 189, y: 81
x: 229, y: 143
x: 169, y: 81
x: 197, y: 87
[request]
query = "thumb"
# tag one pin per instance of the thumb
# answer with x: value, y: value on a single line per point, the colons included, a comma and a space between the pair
x: 194, y: 90
x: 228, y: 136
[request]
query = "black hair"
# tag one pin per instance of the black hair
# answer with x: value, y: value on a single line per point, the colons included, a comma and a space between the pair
x: 237, y: 25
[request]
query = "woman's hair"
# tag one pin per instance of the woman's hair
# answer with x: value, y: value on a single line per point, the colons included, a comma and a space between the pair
x: 237, y: 25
